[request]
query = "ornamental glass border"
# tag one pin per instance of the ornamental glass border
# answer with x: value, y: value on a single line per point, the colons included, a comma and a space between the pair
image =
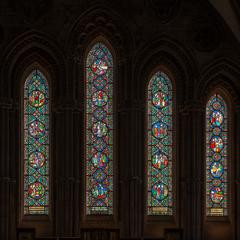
x: 36, y: 144
x: 160, y: 146
x: 216, y: 156
x: 99, y: 130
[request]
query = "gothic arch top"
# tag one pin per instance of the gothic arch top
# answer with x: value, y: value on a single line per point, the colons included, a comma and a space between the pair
x: 165, y: 53
x: 160, y: 193
x: 27, y: 49
x: 220, y: 74
x: 97, y: 21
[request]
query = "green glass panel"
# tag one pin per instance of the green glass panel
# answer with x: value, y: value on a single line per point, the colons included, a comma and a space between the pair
x: 36, y: 142
x: 99, y: 132
x: 160, y: 145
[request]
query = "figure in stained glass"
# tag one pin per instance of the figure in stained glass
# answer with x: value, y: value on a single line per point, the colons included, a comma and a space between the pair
x: 36, y: 145
x: 216, y: 156
x: 160, y: 145
x: 99, y: 134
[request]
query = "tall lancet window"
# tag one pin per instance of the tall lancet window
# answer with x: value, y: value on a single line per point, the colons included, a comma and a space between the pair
x: 36, y: 144
x: 99, y: 131
x: 160, y: 145
x: 216, y: 156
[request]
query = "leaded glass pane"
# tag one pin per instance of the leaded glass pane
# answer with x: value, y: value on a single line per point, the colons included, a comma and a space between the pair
x: 160, y: 145
x: 36, y: 144
x: 216, y: 156
x: 99, y: 131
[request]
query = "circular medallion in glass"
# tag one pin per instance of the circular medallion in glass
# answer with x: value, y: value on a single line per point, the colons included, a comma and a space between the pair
x: 100, y: 98
x: 36, y: 190
x: 216, y: 169
x: 99, y: 67
x: 99, y: 129
x: 159, y: 130
x: 159, y: 191
x: 216, y: 118
x: 36, y: 98
x: 216, y: 194
x: 216, y: 144
x: 160, y: 100
x: 36, y: 129
x: 36, y: 159
x: 99, y: 160
x: 99, y: 191
x: 160, y: 161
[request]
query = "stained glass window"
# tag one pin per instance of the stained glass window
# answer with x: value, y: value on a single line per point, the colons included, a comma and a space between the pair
x: 99, y: 131
x: 160, y: 144
x: 36, y: 144
x: 216, y: 156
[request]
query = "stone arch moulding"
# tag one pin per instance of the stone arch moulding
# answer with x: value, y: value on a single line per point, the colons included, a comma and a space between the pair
x: 226, y: 221
x: 32, y: 220
x: 42, y: 223
x: 26, y: 49
x: 174, y: 57
x: 94, y: 23
x: 112, y: 217
x: 222, y: 76
x: 161, y: 60
x: 221, y: 73
x: 170, y: 215
x: 97, y: 21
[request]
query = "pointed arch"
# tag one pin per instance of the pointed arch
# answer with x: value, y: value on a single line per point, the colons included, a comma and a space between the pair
x: 160, y: 145
x: 36, y: 144
x: 217, y: 129
x: 99, y: 130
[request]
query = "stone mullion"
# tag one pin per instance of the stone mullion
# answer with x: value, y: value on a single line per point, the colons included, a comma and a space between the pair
x: 123, y: 170
x: 59, y: 167
x: 136, y: 172
x: 237, y: 167
x: 3, y: 208
x: 123, y: 150
x: 198, y: 171
x: 122, y: 146
x: 71, y: 179
x: 5, y: 178
x: 192, y: 175
x: 140, y: 164
x: 186, y: 173
x: 78, y: 158
x: 62, y: 171
x: 14, y: 170
x: 12, y: 210
x: 136, y: 160
x: 132, y: 193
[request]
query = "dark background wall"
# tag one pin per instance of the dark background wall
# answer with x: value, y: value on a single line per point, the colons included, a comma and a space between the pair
x: 188, y: 37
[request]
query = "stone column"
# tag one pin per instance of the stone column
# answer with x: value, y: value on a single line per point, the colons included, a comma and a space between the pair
x: 191, y: 172
x: 137, y: 160
x: 123, y: 146
x: 122, y: 168
x: 237, y: 167
x: 65, y: 171
x: 8, y: 162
